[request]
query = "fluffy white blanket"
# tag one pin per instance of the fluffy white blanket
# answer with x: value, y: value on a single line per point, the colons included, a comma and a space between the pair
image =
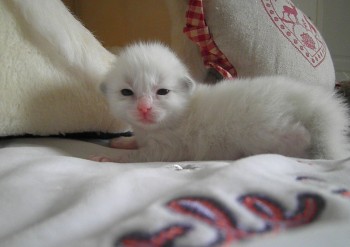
x: 51, y: 195
x: 51, y: 67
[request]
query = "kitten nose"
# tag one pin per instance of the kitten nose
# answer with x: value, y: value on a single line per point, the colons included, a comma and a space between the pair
x: 144, y: 105
x: 143, y: 108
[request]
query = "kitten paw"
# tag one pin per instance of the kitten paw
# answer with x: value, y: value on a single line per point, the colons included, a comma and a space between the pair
x: 100, y: 158
x: 107, y: 159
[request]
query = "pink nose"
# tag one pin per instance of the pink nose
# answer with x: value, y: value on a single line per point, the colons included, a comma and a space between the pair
x: 144, y: 105
x: 144, y: 109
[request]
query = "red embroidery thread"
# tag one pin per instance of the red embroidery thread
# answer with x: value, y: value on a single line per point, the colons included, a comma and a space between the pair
x: 297, y: 29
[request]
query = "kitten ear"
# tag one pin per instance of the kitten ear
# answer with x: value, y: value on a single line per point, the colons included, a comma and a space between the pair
x: 188, y: 84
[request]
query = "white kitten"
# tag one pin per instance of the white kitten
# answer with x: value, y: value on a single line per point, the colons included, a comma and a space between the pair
x: 175, y: 120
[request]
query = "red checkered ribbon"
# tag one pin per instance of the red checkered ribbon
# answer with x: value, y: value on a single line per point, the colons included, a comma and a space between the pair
x: 197, y: 30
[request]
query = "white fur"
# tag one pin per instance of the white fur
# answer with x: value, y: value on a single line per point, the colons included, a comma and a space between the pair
x: 226, y: 121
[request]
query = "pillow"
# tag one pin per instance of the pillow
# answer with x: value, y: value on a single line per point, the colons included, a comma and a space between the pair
x: 51, y: 67
x: 264, y: 37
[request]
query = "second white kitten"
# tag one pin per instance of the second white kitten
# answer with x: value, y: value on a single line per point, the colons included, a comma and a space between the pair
x: 175, y: 120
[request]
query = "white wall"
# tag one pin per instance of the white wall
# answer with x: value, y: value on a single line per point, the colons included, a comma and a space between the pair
x: 333, y: 20
x: 336, y: 31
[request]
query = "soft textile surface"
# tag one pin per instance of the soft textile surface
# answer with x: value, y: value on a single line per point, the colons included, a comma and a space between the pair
x: 51, y: 67
x: 50, y: 195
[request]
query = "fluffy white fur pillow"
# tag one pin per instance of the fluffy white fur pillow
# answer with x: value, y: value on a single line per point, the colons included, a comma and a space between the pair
x: 51, y: 67
x: 260, y: 37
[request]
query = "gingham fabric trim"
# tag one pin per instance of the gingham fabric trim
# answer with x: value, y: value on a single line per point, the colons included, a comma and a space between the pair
x: 197, y: 30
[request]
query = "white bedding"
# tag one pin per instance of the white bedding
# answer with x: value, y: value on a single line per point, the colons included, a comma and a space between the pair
x: 51, y: 195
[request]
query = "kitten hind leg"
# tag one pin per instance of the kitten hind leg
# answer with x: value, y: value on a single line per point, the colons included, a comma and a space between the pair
x: 329, y: 128
x: 285, y: 138
x: 331, y: 143
x: 295, y: 142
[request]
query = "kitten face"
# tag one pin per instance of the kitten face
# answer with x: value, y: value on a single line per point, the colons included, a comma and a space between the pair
x: 148, y: 86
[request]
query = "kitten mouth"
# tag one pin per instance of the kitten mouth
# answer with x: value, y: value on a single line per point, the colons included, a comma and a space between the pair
x: 145, y: 119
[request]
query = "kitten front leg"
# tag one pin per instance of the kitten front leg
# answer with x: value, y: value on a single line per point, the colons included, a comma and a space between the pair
x: 124, y: 143
x: 144, y: 154
x: 120, y: 156
x: 154, y: 153
x: 100, y: 158
x: 127, y: 156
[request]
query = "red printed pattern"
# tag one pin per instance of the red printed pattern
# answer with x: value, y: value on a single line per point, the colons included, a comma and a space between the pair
x: 343, y: 192
x: 165, y: 237
x: 298, y: 29
x: 197, y: 30
x: 227, y: 228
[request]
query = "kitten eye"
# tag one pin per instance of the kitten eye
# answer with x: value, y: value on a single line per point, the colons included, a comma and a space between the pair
x: 127, y: 92
x: 163, y: 91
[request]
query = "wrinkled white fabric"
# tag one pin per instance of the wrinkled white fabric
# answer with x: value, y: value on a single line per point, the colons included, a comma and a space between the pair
x: 51, y: 195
